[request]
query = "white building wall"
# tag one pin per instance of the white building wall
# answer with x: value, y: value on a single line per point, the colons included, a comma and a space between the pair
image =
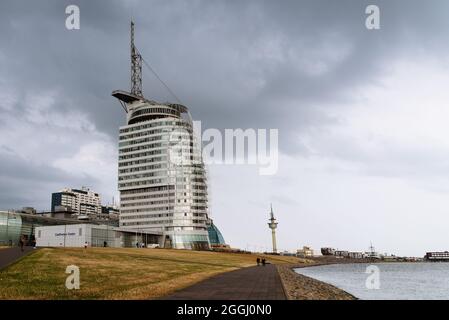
x: 62, y: 236
x: 77, y: 235
x: 84, y: 201
x: 162, y: 183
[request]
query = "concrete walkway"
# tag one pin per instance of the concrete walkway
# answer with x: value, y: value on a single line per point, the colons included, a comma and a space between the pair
x: 253, y: 283
x: 10, y: 255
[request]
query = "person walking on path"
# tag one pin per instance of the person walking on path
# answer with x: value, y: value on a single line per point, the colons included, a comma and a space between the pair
x: 21, y: 243
x: 263, y: 262
x: 258, y: 261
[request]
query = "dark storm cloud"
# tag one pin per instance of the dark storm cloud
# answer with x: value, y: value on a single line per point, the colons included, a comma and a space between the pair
x: 26, y: 184
x: 214, y: 55
x: 260, y: 64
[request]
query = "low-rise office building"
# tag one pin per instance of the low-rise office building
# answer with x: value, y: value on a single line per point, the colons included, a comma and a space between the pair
x: 80, y: 235
x: 15, y: 225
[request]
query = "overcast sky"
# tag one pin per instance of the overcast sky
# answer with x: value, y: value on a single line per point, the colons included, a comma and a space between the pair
x: 362, y: 114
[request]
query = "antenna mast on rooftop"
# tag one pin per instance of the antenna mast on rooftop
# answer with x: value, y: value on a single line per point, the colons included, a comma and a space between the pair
x: 136, y: 67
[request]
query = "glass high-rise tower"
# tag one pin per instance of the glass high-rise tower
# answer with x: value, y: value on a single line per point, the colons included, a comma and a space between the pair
x: 161, y: 176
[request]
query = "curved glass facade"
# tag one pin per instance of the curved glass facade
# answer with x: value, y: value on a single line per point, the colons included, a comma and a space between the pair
x: 215, y: 236
x: 10, y: 228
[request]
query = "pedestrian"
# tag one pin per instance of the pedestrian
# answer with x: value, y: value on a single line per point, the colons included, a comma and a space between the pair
x: 137, y: 244
x: 105, y: 244
x: 258, y: 261
x: 263, y: 262
x: 21, y: 243
x: 85, y: 245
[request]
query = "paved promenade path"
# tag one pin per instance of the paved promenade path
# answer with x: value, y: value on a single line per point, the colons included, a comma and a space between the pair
x: 10, y: 255
x: 253, y: 283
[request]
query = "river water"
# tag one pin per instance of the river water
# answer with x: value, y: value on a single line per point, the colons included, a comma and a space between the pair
x: 386, y: 281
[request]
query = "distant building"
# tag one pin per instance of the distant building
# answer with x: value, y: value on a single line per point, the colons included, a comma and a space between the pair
x: 372, y: 254
x: 62, y: 213
x: 82, y: 202
x: 28, y: 210
x: 437, y: 256
x: 389, y: 258
x: 327, y: 251
x: 341, y: 253
x: 14, y: 225
x: 110, y: 210
x: 305, y: 252
x: 356, y: 255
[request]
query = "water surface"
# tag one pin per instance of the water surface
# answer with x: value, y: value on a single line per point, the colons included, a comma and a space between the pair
x: 423, y: 280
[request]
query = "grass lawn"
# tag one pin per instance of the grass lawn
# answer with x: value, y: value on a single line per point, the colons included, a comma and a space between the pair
x: 112, y: 273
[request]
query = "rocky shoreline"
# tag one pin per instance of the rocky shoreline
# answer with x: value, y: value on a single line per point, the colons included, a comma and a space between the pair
x: 300, y: 287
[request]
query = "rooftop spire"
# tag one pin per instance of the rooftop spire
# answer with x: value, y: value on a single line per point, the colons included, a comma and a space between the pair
x: 136, y: 67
